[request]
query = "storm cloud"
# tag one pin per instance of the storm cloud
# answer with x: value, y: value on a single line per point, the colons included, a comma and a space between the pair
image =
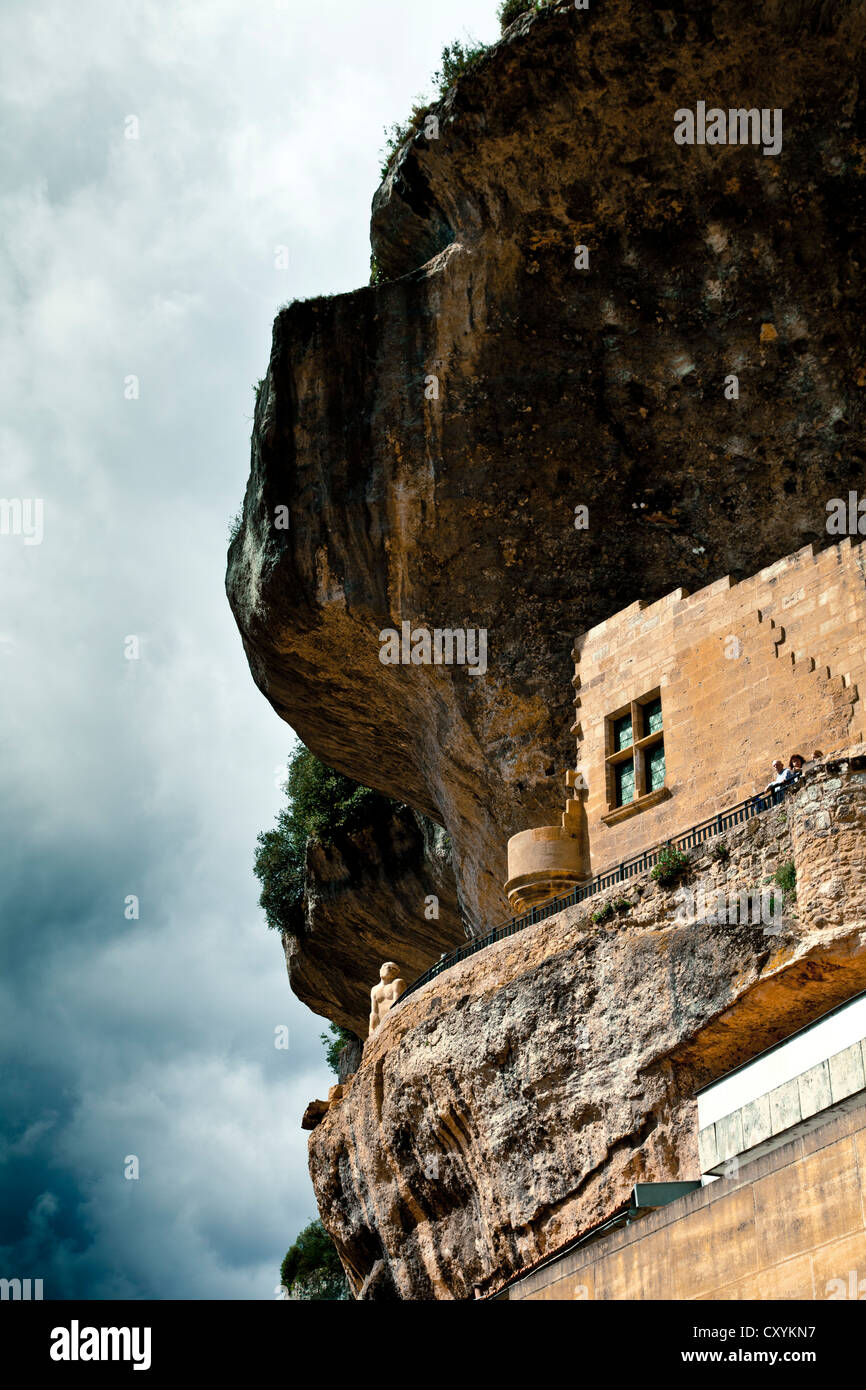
x: 156, y: 158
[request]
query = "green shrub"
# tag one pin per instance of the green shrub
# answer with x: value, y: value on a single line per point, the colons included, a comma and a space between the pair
x: 335, y: 1044
x: 603, y: 914
x: 312, y: 1270
x: 512, y: 9
x: 321, y: 802
x: 610, y: 909
x: 394, y: 137
x: 786, y: 879
x: 457, y: 58
x: 721, y: 854
x: 235, y: 525
x: 399, y: 131
x: 671, y: 865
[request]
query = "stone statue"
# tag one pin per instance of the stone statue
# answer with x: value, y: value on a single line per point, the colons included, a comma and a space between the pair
x: 386, y: 993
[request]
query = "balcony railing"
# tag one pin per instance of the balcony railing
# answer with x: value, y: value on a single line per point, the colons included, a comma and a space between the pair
x: 629, y: 868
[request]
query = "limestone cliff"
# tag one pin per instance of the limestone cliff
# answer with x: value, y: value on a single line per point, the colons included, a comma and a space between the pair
x: 431, y: 437
x: 387, y: 892
x: 558, y: 387
x: 512, y: 1103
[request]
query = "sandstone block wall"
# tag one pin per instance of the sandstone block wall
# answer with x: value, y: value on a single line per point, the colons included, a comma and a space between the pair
x: 773, y: 665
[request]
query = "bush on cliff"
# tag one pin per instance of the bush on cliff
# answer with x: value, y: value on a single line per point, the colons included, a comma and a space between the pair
x: 670, y: 866
x: 395, y: 134
x: 603, y: 914
x: 340, y: 1038
x: 456, y: 59
x: 513, y: 9
x: 321, y: 802
x: 312, y: 1269
x: 786, y: 878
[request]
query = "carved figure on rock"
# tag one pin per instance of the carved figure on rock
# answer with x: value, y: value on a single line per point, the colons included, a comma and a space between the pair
x: 386, y: 993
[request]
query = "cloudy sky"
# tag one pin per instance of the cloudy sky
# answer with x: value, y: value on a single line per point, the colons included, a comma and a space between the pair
x: 156, y: 155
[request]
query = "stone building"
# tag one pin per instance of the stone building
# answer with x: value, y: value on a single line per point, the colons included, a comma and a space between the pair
x: 681, y: 706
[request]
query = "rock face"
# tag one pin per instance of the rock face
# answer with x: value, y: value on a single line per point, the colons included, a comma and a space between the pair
x: 314, y: 1114
x: 349, y: 1058
x: 369, y: 897
x: 513, y: 1102
x: 431, y: 437
x: 450, y: 503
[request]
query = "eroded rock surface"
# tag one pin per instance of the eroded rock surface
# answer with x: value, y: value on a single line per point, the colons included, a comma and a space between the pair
x: 512, y: 1103
x: 558, y: 387
x: 369, y: 897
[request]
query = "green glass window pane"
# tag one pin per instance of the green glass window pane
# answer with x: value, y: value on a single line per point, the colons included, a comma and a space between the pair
x: 652, y: 717
x: 655, y: 767
x: 622, y: 733
x: 624, y: 783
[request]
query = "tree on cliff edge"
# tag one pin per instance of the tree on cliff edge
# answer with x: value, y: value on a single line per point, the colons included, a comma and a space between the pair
x: 312, y: 1269
x: 321, y: 802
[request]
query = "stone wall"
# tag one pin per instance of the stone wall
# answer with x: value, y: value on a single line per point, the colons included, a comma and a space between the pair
x: 747, y: 672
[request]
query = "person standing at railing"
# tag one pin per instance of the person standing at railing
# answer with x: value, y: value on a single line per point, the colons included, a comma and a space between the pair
x: 783, y: 775
x: 776, y: 788
x: 440, y: 965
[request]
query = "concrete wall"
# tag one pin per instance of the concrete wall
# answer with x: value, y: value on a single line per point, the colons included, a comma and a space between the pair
x: 786, y: 1091
x: 747, y: 672
x: 790, y: 1226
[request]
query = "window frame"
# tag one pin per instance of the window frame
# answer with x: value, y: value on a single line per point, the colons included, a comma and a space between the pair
x: 642, y: 744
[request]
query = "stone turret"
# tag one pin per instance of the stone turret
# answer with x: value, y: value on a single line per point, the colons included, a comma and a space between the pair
x: 548, y: 861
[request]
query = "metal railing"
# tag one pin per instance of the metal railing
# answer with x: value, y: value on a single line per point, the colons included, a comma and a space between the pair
x: 629, y: 868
